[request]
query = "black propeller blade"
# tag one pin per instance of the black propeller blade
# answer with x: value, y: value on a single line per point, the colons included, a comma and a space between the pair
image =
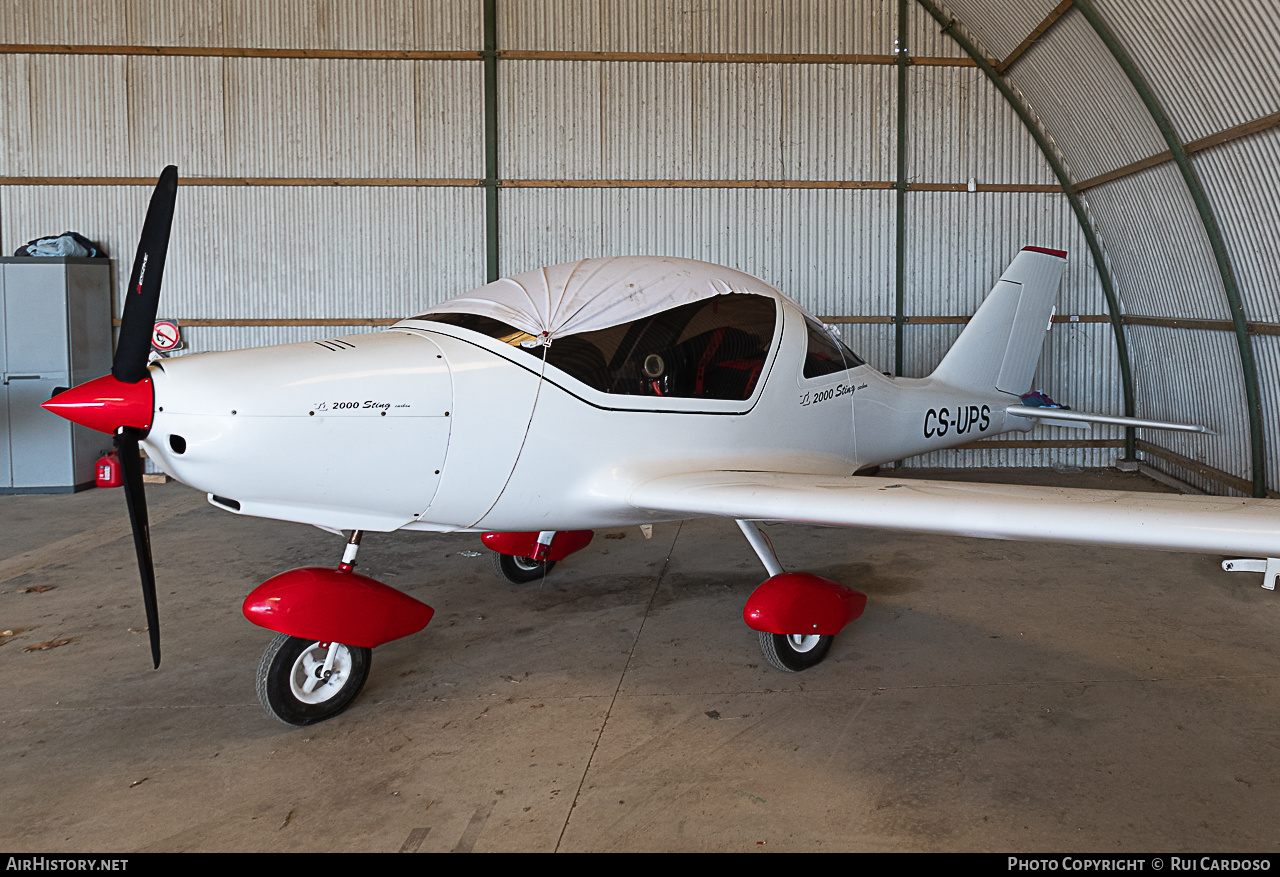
x: 142, y: 300
x: 131, y: 468
x: 142, y: 297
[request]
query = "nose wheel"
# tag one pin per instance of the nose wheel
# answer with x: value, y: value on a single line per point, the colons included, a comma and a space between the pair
x: 520, y: 570
x: 793, y: 652
x: 298, y: 684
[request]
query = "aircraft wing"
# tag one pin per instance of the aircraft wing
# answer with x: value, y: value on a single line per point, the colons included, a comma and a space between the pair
x: 1170, y: 522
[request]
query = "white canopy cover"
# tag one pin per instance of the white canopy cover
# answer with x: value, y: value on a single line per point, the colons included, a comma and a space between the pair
x: 594, y: 294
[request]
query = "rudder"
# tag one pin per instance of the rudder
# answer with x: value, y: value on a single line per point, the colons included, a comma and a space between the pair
x: 1000, y: 347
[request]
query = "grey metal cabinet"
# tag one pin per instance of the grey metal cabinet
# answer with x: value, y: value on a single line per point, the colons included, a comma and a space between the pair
x: 56, y: 333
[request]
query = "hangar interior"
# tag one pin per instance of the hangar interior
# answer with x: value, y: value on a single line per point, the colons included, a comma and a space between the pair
x: 881, y: 162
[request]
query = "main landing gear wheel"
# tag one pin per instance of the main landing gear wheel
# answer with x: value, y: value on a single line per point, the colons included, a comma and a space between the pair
x: 292, y: 684
x: 793, y: 652
x: 521, y: 570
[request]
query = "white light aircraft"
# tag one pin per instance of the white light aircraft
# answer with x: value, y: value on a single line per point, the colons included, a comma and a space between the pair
x: 599, y: 393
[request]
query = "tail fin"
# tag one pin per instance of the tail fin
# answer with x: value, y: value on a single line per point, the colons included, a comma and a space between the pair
x: 1001, y: 345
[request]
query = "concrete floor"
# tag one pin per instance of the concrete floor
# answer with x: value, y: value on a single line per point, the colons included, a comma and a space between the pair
x: 995, y: 696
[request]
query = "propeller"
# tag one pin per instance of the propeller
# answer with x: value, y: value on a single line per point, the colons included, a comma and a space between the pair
x: 135, y: 497
x: 122, y: 403
x: 142, y: 298
x: 133, y: 348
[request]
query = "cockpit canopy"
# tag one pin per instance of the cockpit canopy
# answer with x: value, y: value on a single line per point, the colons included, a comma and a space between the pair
x: 711, y: 349
x: 642, y: 326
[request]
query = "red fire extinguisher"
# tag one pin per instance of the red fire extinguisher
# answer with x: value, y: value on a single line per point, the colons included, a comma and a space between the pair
x: 108, y: 470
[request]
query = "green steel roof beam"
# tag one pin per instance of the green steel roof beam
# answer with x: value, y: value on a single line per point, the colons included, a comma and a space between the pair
x: 1073, y: 197
x: 900, y: 196
x: 490, y: 55
x: 1217, y: 244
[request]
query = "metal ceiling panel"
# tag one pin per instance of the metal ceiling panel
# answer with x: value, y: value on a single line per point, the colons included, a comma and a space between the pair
x: 1158, y: 250
x: 1002, y: 25
x: 1211, y: 64
x: 1266, y: 350
x: 1193, y: 376
x: 1084, y: 101
x: 1242, y: 180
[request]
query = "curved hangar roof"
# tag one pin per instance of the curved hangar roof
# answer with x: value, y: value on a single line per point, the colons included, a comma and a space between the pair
x: 1162, y: 122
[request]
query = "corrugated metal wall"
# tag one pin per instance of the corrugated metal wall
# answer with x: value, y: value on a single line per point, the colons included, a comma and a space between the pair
x: 958, y: 243
x: 302, y: 24
x: 831, y: 249
x: 1212, y: 67
x: 801, y: 26
x: 267, y: 251
x: 364, y: 198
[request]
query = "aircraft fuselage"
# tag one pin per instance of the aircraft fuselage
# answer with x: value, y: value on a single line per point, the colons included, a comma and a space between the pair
x: 434, y: 427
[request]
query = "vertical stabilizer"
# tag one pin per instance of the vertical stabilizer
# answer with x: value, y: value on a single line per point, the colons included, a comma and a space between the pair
x: 1000, y: 347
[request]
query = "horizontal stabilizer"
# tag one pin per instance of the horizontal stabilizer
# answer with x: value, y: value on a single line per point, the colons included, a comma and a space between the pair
x: 1169, y: 522
x: 1050, y: 415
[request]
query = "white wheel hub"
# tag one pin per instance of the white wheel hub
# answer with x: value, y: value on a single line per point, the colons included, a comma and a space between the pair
x: 307, y: 680
x: 802, y: 642
x: 527, y: 564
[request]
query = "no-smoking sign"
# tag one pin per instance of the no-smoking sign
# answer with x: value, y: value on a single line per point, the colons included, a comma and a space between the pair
x: 166, y: 336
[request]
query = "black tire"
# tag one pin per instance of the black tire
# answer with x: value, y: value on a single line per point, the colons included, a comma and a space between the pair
x: 792, y: 653
x: 284, y: 670
x: 521, y: 570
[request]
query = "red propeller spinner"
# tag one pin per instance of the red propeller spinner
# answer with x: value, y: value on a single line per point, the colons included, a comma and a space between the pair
x: 106, y: 404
